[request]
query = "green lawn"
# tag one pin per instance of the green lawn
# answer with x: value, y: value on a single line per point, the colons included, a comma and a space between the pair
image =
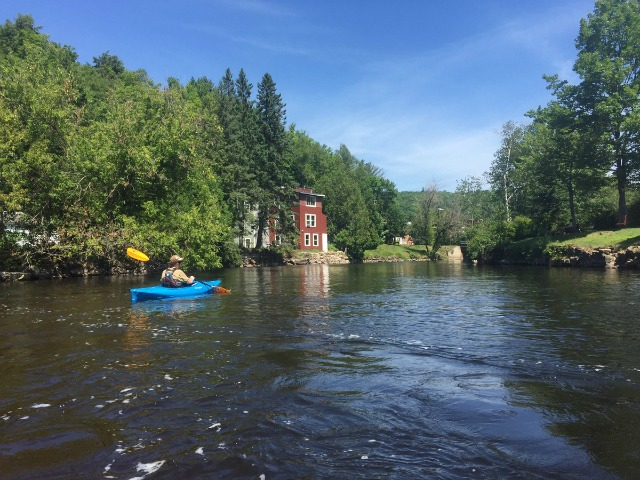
x: 614, y: 239
x: 401, y: 252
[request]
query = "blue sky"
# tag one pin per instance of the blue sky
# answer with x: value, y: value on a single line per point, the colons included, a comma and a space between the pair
x: 418, y: 88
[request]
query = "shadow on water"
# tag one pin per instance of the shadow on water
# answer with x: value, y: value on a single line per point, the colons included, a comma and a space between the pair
x: 588, y: 390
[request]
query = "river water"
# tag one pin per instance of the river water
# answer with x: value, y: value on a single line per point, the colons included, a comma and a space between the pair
x: 396, y: 370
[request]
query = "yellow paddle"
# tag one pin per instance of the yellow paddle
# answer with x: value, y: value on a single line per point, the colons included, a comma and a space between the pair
x: 138, y: 255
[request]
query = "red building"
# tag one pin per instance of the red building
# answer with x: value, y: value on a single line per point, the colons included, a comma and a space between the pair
x: 310, y: 220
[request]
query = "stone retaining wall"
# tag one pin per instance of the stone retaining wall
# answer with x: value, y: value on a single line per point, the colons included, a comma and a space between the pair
x: 264, y: 259
x: 596, y: 258
x: 308, y: 258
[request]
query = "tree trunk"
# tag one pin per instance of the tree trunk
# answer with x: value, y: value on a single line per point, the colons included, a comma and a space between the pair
x: 621, y: 175
x: 572, y: 205
x: 261, y: 226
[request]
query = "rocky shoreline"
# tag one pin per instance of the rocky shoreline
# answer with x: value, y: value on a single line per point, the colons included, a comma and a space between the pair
x: 579, y: 257
x: 597, y: 258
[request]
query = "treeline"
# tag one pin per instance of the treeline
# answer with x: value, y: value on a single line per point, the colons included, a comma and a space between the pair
x: 95, y: 158
x: 575, y: 166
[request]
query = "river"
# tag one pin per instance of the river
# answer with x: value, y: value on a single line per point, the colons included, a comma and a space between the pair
x: 376, y: 371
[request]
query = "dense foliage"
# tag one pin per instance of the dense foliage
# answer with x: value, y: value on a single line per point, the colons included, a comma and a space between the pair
x: 577, y: 164
x: 95, y: 158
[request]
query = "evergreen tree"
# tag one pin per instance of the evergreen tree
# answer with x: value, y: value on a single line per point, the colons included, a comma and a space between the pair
x: 246, y: 182
x: 234, y: 168
x: 275, y: 188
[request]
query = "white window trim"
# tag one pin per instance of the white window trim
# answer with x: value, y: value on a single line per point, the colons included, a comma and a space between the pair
x: 311, y: 201
x: 315, y: 240
x: 307, y: 239
x: 310, y: 220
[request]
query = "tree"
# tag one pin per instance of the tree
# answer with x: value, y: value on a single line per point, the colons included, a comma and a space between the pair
x: 435, y: 223
x: 39, y: 109
x: 310, y: 160
x: 237, y: 120
x: 564, y: 160
x: 474, y: 200
x: 348, y: 221
x: 16, y: 36
x: 609, y: 65
x: 422, y: 227
x: 108, y: 65
x: 275, y: 189
x: 504, y: 175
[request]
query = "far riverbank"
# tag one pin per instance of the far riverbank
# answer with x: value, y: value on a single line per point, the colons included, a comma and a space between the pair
x: 603, y: 249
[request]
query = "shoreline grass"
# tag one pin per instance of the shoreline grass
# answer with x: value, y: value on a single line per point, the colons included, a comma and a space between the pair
x: 401, y: 252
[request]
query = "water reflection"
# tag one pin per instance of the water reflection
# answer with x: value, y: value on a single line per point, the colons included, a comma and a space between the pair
x: 586, y: 384
x: 175, y: 309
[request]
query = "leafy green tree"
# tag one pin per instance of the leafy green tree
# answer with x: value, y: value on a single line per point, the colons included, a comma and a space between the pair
x: 505, y: 176
x: 348, y: 220
x: 380, y: 196
x: 423, y: 223
x: 38, y: 109
x: 96, y: 157
x: 565, y: 164
x: 476, y: 202
x: 310, y: 160
x: 437, y: 222
x: 609, y: 92
x: 108, y: 65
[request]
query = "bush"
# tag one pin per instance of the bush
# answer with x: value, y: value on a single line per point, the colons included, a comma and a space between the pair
x: 522, y: 227
x: 487, y: 240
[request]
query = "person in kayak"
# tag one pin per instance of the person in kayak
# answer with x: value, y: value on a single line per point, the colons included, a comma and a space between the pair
x: 173, y: 276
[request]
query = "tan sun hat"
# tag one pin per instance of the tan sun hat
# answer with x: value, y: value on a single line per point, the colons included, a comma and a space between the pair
x: 175, y: 259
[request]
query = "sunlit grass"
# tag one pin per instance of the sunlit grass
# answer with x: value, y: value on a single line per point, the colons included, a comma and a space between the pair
x: 401, y: 252
x: 614, y: 239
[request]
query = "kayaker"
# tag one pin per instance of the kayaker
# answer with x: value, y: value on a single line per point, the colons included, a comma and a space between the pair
x: 173, y: 276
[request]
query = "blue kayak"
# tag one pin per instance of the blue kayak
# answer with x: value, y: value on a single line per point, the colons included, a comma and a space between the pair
x: 160, y: 292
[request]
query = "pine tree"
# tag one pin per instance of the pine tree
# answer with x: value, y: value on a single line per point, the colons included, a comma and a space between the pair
x: 272, y: 167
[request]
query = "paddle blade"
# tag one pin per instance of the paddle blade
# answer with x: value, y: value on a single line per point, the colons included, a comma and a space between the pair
x: 221, y: 290
x: 137, y: 254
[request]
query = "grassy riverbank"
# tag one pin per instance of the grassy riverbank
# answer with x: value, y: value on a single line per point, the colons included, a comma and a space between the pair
x: 397, y: 252
x: 530, y: 249
x: 612, y: 239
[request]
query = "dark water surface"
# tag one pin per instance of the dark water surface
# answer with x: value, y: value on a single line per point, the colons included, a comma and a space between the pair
x: 400, y: 371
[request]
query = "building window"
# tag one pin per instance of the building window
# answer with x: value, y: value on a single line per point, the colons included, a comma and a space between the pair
x: 310, y: 220
x: 307, y: 239
x: 247, y: 243
x: 311, y: 201
x: 315, y: 239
